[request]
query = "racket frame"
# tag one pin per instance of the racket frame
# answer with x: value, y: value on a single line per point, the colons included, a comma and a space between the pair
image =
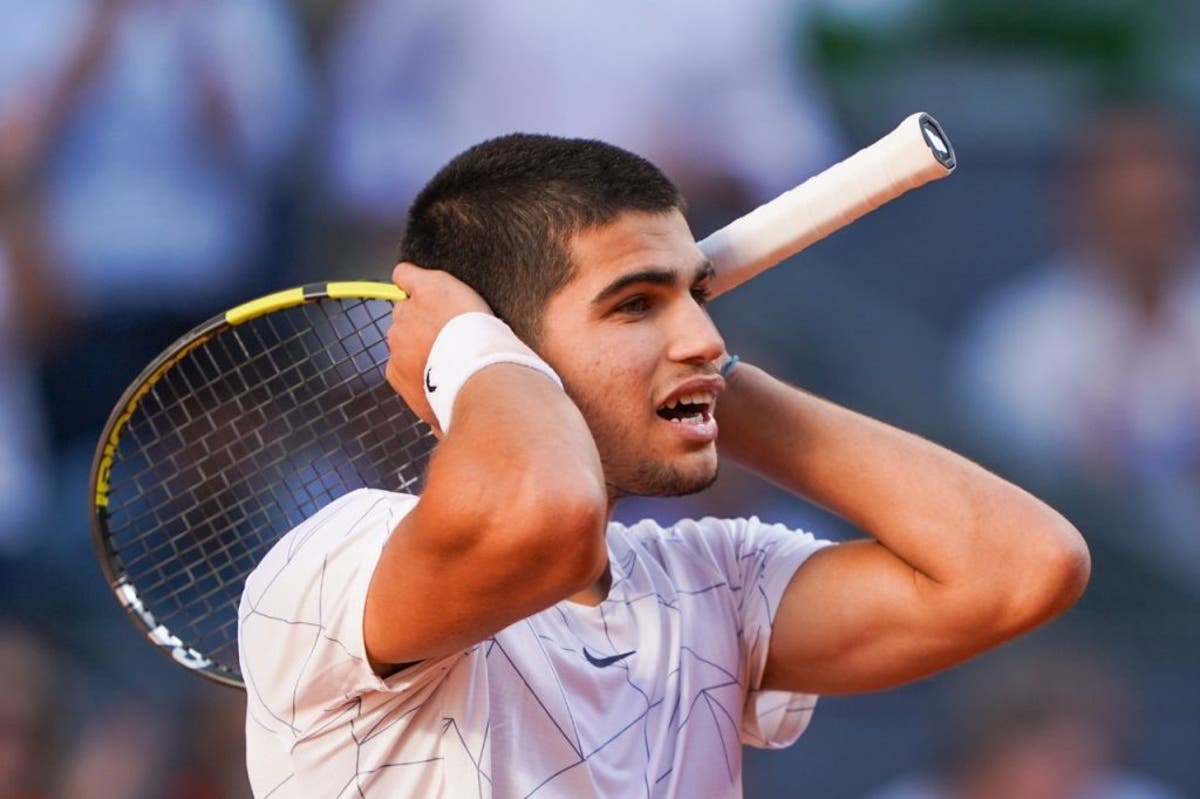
x: 98, y: 481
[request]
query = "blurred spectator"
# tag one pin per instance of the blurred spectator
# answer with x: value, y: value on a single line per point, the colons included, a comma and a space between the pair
x: 214, y: 757
x: 141, y: 142
x: 1035, y: 726
x: 160, y: 122
x: 175, y: 112
x: 120, y: 754
x: 27, y: 317
x: 714, y: 93
x: 30, y: 308
x: 28, y: 705
x: 320, y: 20
x: 1091, y: 364
x: 120, y: 747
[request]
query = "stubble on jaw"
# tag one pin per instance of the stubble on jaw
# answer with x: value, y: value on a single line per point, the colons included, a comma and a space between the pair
x: 659, y: 480
x: 628, y: 470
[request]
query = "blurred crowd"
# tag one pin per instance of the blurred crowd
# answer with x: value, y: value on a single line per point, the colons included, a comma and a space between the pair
x: 161, y: 160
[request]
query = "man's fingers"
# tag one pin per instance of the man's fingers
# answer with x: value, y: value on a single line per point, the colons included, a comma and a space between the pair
x: 436, y: 297
x: 412, y: 395
x: 437, y: 290
x: 405, y: 274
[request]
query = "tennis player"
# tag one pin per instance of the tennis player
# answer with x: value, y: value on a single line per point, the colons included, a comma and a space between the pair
x: 497, y: 635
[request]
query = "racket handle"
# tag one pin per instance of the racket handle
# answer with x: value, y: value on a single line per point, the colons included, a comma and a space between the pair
x: 913, y: 154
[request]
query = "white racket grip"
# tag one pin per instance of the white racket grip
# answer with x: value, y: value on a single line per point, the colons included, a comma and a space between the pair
x: 913, y: 154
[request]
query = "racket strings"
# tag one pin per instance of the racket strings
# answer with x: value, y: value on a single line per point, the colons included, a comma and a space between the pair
x: 182, y: 407
x: 219, y: 462
x: 215, y: 558
x: 242, y: 439
x: 220, y: 457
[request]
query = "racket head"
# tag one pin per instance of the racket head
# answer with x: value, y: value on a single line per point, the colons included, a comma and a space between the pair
x: 239, y: 430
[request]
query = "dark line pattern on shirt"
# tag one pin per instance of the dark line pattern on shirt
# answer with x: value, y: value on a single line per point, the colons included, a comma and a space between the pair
x: 749, y: 566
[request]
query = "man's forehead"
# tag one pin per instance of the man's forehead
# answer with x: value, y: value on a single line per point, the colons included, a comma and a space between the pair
x: 635, y: 241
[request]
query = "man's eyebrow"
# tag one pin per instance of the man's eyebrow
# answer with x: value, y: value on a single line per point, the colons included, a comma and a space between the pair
x: 657, y: 277
x: 653, y: 276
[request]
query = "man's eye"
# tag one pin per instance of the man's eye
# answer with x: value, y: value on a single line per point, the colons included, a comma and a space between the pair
x: 701, y: 294
x: 638, y: 304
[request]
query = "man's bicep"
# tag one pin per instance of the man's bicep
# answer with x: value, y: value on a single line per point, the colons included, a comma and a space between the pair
x: 423, y: 600
x: 857, y: 618
x: 433, y: 594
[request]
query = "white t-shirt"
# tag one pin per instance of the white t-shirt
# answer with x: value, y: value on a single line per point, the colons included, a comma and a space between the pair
x: 650, y: 693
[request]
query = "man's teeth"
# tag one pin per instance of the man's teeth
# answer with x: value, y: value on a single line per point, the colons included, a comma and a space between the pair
x: 698, y: 403
x: 698, y: 398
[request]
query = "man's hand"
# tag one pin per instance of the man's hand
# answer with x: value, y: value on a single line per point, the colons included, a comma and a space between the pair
x: 434, y: 298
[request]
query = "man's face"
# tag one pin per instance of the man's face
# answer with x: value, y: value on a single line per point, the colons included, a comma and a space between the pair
x: 638, y: 353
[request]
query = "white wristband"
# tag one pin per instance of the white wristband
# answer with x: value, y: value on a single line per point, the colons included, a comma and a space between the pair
x: 466, y: 344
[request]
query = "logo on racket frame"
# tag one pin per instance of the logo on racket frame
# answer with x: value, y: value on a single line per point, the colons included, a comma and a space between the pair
x: 158, y: 633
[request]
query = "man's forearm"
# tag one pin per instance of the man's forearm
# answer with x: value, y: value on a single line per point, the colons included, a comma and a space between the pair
x: 936, y: 510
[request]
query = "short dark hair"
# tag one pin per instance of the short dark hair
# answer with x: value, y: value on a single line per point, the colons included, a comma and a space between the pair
x: 500, y: 215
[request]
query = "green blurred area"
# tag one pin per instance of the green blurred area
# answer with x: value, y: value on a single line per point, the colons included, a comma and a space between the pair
x: 1082, y: 52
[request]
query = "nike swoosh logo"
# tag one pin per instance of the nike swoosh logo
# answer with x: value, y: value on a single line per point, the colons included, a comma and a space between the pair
x: 430, y: 387
x: 605, y: 661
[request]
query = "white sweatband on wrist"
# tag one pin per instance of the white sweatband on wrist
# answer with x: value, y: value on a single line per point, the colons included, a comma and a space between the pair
x: 466, y: 344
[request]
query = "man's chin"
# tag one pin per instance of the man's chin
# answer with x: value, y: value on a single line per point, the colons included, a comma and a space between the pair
x: 664, y: 480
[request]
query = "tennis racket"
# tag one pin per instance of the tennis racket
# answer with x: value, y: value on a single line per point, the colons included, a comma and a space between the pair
x: 256, y: 418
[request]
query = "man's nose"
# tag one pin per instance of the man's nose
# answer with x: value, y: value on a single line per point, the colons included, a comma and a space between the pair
x: 696, y: 338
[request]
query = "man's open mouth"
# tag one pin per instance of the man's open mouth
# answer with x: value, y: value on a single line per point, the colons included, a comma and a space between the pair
x: 692, y: 408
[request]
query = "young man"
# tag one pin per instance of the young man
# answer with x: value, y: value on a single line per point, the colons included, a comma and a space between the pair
x: 496, y: 636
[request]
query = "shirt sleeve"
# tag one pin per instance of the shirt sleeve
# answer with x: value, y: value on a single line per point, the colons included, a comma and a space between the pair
x: 300, y: 621
x: 765, y: 558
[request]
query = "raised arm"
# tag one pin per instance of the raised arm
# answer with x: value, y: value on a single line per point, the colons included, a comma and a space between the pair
x: 513, y: 513
x: 960, y: 560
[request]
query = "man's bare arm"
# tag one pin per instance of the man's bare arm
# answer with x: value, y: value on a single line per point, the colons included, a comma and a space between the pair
x: 513, y: 513
x: 962, y: 560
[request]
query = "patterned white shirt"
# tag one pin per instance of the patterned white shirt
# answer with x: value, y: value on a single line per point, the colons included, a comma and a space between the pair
x: 650, y: 693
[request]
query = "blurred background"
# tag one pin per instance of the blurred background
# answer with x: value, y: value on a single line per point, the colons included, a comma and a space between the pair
x: 161, y: 160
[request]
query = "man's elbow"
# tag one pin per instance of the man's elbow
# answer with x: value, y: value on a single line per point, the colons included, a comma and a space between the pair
x: 1051, y: 576
x: 574, y: 539
x: 564, y: 521
x: 1069, y: 566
